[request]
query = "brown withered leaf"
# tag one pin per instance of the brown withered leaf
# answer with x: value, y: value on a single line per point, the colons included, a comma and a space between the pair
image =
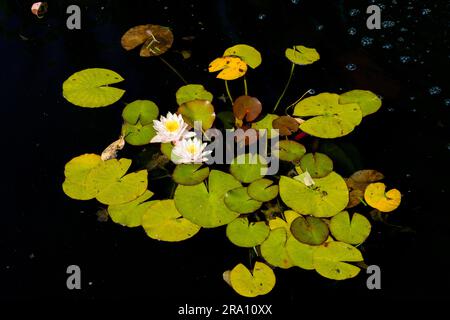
x: 357, y: 184
x: 286, y: 125
x: 247, y: 107
x: 155, y: 39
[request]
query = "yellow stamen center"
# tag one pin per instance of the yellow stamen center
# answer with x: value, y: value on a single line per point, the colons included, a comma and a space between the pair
x: 172, y: 125
x: 191, y: 149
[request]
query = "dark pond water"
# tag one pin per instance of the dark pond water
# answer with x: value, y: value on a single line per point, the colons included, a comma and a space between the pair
x: 42, y: 231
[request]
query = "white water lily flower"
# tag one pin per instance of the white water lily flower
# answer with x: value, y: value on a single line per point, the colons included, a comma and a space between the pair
x: 190, y: 151
x: 171, y: 128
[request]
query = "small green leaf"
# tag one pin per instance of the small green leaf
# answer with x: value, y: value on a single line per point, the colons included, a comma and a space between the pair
x: 317, y: 164
x: 205, y: 206
x: 140, y: 111
x: 198, y: 110
x: 331, y: 257
x: 238, y: 200
x: 310, y: 230
x: 302, y: 55
x: 90, y: 88
x: 193, y: 92
x: 248, y: 167
x: 248, y: 54
x: 367, y: 100
x: 262, y: 190
x: 190, y: 174
x: 162, y: 221
x: 138, y: 135
x: 247, y: 234
x: 355, y: 231
x: 130, y: 214
x: 291, y: 150
x: 252, y: 284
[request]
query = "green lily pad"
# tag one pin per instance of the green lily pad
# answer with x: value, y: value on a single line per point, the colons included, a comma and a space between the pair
x: 367, y: 100
x: 138, y: 135
x: 317, y: 164
x: 90, y: 88
x: 329, y: 118
x: 76, y: 172
x: 302, y: 55
x: 193, y: 92
x: 162, y: 221
x: 166, y: 149
x: 247, y: 234
x: 238, y: 200
x: 190, y: 174
x: 130, y: 214
x: 273, y: 249
x: 252, y: 284
x: 331, y: 257
x: 248, y: 168
x: 265, y: 123
x: 355, y: 231
x: 310, y: 230
x: 291, y: 150
x: 289, y: 217
x: 227, y: 118
x: 326, y: 198
x: 262, y: 190
x: 247, y: 53
x: 300, y: 254
x: 142, y: 111
x: 205, y: 206
x: 198, y: 110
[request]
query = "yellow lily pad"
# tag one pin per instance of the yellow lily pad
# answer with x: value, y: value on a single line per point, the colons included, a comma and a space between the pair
x: 247, y: 234
x: 230, y: 68
x: 130, y: 214
x: 247, y: 53
x: 302, y: 55
x: 354, y: 231
x: 377, y: 198
x: 254, y: 283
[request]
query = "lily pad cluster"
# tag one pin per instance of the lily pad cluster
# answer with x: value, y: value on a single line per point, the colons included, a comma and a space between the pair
x: 307, y: 215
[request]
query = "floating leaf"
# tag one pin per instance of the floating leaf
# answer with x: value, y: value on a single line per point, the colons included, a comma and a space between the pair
x: 205, y: 206
x: 317, y: 164
x: 90, y: 88
x: 166, y: 149
x: 193, y: 92
x: 231, y: 67
x: 309, y: 230
x: 138, y: 135
x: 238, y: 200
x: 300, y: 254
x: 265, y: 123
x: 286, y: 125
x: 162, y: 221
x: 190, y: 174
x: 329, y: 118
x: 248, y: 168
x: 247, y: 234
x: 357, y: 184
x: 227, y: 118
x: 273, y: 249
x: 377, y: 198
x: 331, y: 257
x: 198, y: 110
x: 247, y: 107
x: 263, y: 190
x: 76, y: 172
x: 290, y: 150
x: 248, y: 54
x: 367, y: 100
x: 326, y: 198
x: 289, y: 215
x: 302, y: 55
x: 355, y: 231
x: 140, y: 111
x: 130, y: 214
x: 155, y: 39
x: 251, y: 284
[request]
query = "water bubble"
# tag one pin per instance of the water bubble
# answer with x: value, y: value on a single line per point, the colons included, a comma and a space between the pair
x: 351, y: 31
x: 320, y: 27
x: 312, y: 91
x: 366, y: 41
x: 434, y: 91
x: 401, y: 39
x: 353, y: 12
x: 262, y: 16
x: 405, y: 59
x: 425, y: 11
x: 351, y: 67
x: 448, y: 146
x: 390, y: 109
x: 412, y: 98
x: 295, y: 1
x: 388, y: 24
x: 387, y: 46
x: 447, y: 102
x: 404, y: 29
